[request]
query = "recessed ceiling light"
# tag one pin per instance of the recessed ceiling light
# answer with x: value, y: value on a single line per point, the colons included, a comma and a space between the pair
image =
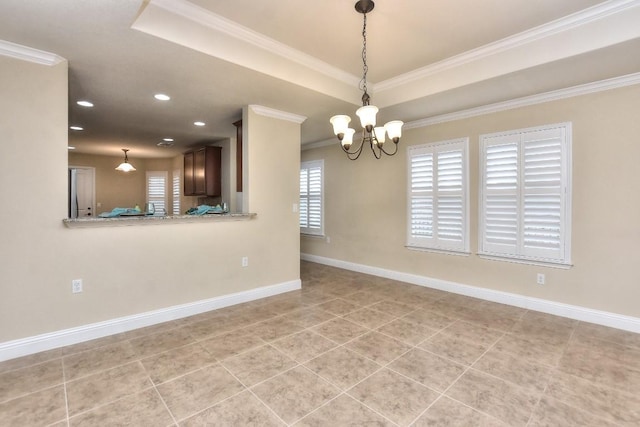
x: 167, y: 139
x: 76, y: 128
x: 85, y: 103
x: 199, y: 123
x: 70, y: 147
x: 161, y: 97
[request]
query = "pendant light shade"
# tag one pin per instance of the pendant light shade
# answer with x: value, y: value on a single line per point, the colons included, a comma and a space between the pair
x: 340, y: 124
x: 379, y: 134
x: 125, y: 166
x: 394, y: 130
x: 347, y: 140
x: 367, y: 116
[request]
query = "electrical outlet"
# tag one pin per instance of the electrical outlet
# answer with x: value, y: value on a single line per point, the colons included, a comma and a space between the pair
x: 245, y: 261
x: 540, y: 279
x: 328, y: 239
x: 295, y: 208
x: 76, y: 286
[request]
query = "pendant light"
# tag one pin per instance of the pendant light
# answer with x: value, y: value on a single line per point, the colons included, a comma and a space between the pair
x: 372, y: 135
x: 125, y: 166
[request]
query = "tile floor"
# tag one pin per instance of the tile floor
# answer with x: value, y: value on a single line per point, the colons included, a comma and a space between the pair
x: 347, y: 349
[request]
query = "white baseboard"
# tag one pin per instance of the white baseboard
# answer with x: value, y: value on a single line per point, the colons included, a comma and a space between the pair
x: 51, y: 340
x: 604, y: 318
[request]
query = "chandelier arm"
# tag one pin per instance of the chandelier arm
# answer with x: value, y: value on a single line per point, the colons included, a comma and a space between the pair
x: 353, y: 158
x: 348, y: 151
x: 355, y: 153
x: 373, y: 141
x: 394, y: 151
x: 377, y: 155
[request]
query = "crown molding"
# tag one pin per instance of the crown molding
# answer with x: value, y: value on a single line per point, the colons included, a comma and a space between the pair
x: 30, y: 54
x: 571, y: 35
x: 566, y: 23
x: 318, y: 144
x: 219, y: 23
x: 585, y: 89
x: 277, y: 114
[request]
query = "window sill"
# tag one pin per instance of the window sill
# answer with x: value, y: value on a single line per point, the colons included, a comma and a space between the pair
x: 438, y: 251
x: 154, y: 220
x: 538, y: 262
x: 312, y: 236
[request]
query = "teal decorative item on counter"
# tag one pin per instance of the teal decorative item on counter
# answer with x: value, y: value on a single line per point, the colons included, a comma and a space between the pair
x: 121, y: 212
x: 205, y: 209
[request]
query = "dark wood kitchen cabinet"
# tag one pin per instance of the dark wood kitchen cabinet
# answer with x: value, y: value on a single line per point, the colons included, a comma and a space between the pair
x: 202, y: 175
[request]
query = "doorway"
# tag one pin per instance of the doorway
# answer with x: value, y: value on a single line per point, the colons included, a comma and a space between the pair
x: 82, y: 188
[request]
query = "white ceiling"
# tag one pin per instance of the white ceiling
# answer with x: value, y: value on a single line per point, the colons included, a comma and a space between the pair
x: 425, y: 57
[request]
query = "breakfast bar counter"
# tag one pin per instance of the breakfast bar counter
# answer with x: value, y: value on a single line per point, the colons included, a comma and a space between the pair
x: 154, y: 220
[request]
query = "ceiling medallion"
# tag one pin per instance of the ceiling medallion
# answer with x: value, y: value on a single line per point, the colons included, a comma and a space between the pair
x: 374, y: 136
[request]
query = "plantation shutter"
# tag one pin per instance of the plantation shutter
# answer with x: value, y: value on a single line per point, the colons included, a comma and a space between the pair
x: 311, y: 198
x: 450, y: 203
x: 304, y: 198
x: 157, y: 190
x: 543, y: 194
x: 421, y: 208
x: 524, y: 194
x: 501, y: 218
x: 315, y: 198
x: 437, y: 196
x: 176, y: 192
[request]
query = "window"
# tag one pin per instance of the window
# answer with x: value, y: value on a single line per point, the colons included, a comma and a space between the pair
x: 311, y: 197
x: 525, y: 194
x: 176, y: 192
x: 157, y: 190
x: 438, y: 197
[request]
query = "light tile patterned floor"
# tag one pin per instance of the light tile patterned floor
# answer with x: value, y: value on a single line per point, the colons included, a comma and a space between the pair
x: 347, y: 349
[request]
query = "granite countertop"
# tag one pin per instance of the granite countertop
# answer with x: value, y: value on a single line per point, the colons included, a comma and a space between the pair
x: 153, y: 220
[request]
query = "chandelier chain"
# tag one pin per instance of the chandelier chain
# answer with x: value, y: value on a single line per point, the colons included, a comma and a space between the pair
x: 365, y: 67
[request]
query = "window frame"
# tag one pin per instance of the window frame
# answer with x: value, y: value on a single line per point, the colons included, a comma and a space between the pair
x: 435, y: 244
x: 312, y: 164
x: 564, y: 194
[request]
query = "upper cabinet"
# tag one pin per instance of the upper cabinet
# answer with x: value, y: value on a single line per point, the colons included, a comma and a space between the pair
x: 202, y: 172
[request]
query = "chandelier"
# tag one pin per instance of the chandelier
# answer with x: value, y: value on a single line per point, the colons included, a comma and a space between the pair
x: 125, y: 166
x: 372, y: 135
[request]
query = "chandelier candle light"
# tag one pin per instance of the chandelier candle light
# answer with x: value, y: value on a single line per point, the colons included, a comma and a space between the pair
x: 371, y: 134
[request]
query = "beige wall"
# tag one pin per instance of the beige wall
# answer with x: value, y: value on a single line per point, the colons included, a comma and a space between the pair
x: 272, y: 188
x: 126, y: 270
x: 365, y: 206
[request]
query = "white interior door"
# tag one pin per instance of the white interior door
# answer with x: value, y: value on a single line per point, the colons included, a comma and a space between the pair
x: 84, y: 197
